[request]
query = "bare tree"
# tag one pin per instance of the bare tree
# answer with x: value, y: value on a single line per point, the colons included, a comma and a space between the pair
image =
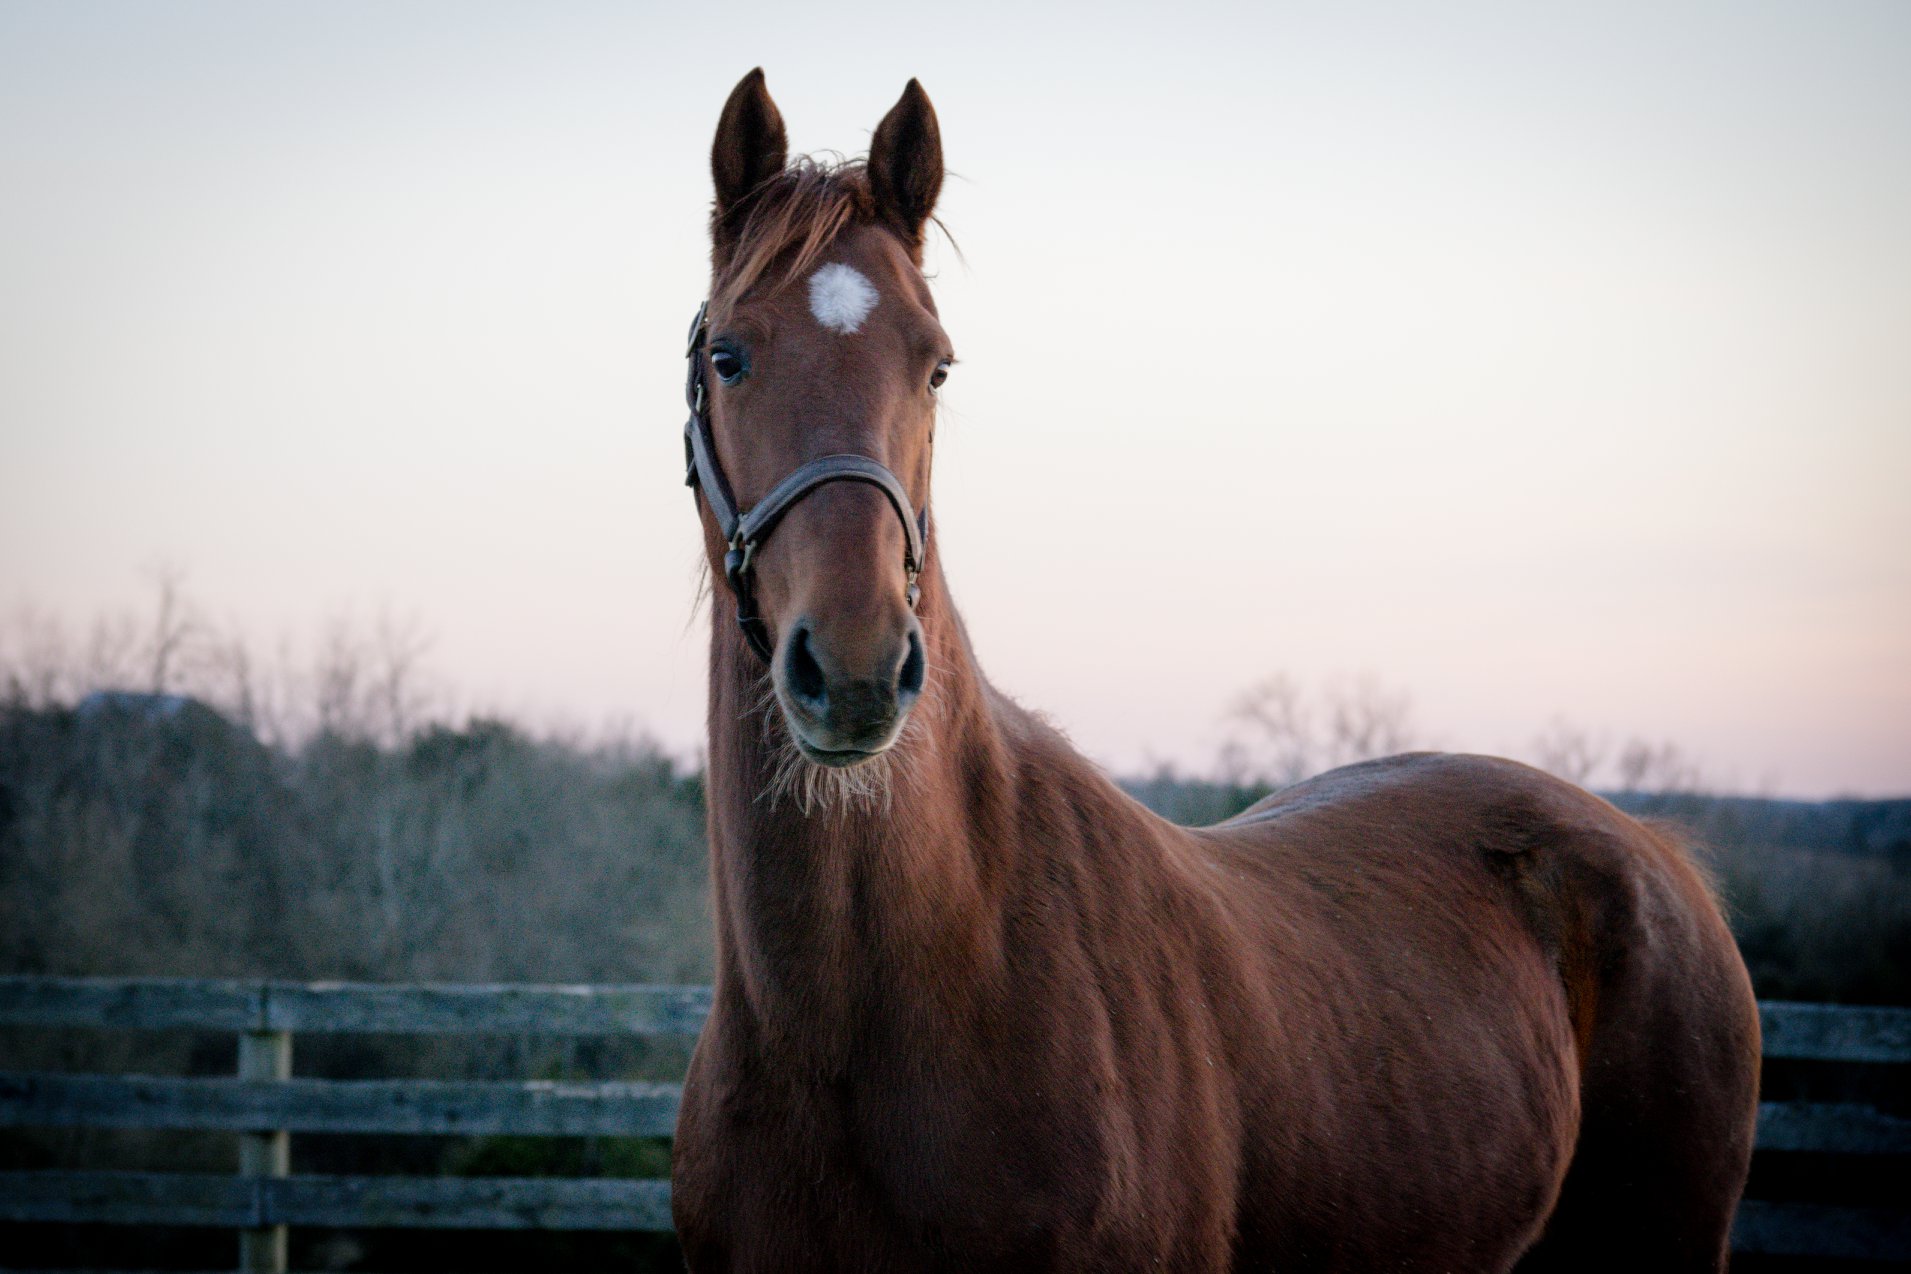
x: 176, y: 626
x: 398, y: 650
x: 1280, y: 748
x: 338, y: 674
x: 34, y: 659
x: 1366, y: 720
x: 112, y: 658
x: 1282, y: 734
x: 1569, y: 752
x: 1661, y: 769
x: 234, y: 682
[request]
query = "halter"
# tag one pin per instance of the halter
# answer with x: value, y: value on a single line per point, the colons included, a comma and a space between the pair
x: 745, y: 530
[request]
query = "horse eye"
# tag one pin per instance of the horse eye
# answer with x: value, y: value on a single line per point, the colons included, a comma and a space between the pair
x: 940, y: 374
x: 727, y: 364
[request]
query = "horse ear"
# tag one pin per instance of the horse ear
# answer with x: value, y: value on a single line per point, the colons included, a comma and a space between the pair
x: 751, y: 148
x: 905, y: 164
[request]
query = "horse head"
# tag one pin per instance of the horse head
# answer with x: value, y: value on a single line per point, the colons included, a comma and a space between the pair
x: 813, y: 379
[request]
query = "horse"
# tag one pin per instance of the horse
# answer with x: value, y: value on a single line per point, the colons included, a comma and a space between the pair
x: 975, y: 1008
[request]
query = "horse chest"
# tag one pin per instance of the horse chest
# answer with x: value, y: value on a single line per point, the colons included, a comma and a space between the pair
x: 968, y: 1174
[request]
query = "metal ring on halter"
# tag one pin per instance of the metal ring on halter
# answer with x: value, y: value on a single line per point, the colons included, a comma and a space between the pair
x: 744, y: 531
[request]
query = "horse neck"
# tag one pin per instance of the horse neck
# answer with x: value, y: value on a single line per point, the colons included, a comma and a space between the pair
x: 875, y: 904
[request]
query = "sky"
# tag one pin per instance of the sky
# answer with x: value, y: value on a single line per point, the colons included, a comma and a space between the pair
x: 1540, y: 362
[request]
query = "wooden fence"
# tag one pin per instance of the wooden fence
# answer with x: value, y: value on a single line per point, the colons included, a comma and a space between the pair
x: 264, y: 1104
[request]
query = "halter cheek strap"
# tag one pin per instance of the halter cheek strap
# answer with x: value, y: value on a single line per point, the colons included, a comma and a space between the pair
x: 744, y: 530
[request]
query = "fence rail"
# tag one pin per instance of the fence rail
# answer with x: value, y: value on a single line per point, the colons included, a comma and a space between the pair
x: 474, y: 1008
x: 264, y: 1104
x: 209, y: 1199
x: 544, y: 1108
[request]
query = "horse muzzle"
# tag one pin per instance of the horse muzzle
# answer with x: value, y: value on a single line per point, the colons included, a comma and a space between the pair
x: 846, y: 706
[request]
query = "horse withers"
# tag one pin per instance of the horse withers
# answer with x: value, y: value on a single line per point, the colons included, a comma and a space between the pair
x: 976, y: 1009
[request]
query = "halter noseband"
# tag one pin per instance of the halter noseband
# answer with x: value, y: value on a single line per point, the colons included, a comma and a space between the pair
x: 745, y: 530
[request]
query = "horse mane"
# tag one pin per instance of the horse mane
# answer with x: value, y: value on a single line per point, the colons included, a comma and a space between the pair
x: 789, y: 221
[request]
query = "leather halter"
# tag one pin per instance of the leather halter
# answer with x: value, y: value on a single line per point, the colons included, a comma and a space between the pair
x: 744, y: 530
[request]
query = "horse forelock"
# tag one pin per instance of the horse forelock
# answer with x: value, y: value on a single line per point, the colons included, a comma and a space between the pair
x: 789, y: 223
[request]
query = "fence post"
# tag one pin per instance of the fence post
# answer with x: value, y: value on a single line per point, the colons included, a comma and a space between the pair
x: 264, y: 1055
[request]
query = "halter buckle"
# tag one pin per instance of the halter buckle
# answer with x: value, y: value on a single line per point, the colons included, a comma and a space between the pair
x: 736, y: 562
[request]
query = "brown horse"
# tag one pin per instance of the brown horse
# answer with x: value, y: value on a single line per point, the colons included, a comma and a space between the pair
x: 976, y: 1009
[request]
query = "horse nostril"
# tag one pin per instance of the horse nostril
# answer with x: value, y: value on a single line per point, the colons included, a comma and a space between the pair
x: 909, y: 679
x: 803, y: 674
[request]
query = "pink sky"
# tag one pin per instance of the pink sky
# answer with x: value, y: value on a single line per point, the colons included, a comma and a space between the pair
x: 1542, y: 365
